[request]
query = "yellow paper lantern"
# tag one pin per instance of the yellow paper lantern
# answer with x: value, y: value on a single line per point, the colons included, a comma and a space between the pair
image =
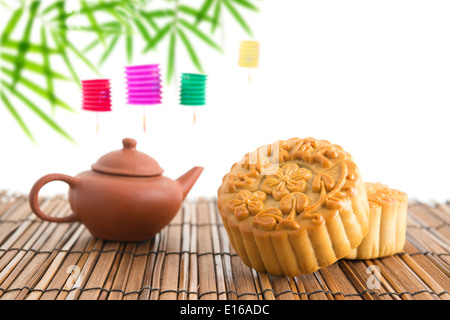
x: 249, y: 55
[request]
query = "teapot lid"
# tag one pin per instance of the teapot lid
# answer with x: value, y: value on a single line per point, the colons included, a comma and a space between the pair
x: 128, y: 162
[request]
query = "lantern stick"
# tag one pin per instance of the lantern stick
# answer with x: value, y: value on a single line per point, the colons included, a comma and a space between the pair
x: 195, y: 117
x: 97, y: 124
x: 144, y: 120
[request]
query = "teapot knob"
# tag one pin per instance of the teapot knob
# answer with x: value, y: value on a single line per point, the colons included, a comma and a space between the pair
x: 129, y: 143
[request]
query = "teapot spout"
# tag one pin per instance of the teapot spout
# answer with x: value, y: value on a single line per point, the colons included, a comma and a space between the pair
x: 187, y: 180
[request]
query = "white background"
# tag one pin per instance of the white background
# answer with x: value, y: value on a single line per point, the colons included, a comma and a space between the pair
x: 371, y: 76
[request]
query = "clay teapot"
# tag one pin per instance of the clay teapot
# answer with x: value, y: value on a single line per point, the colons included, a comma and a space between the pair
x: 124, y: 197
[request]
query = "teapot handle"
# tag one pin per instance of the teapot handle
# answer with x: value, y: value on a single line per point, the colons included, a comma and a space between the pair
x: 34, y: 202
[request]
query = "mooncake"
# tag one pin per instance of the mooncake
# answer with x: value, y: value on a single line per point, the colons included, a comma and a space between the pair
x: 387, y: 231
x: 294, y: 206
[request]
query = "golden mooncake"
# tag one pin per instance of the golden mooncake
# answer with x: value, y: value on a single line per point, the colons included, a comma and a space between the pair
x: 387, y: 232
x: 294, y: 206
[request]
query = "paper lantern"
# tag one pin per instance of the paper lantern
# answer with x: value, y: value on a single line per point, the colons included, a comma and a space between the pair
x: 193, y: 90
x: 143, y: 86
x: 96, y: 96
x: 249, y: 55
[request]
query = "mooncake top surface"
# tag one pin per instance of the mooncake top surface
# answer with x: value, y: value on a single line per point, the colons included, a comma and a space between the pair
x: 378, y: 193
x: 290, y: 184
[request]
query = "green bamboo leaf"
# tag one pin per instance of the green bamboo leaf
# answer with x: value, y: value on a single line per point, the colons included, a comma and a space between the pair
x: 37, y: 90
x: 199, y: 34
x: 90, y: 16
x: 51, y: 7
x: 47, y: 71
x: 158, y: 37
x: 62, y: 23
x: 108, y: 50
x: 129, y: 44
x: 17, y: 117
x: 61, y: 19
x: 163, y: 13
x: 62, y: 52
x: 109, y: 28
x: 106, y: 31
x: 82, y: 57
x: 150, y: 21
x: 32, y: 47
x: 104, y: 5
x: 33, y: 66
x: 2, y: 2
x: 112, y: 25
x: 116, y: 13
x: 70, y: 67
x: 171, y: 57
x: 96, y: 7
x: 190, y: 50
x: 153, y: 24
x: 237, y: 16
x: 128, y: 9
x: 193, y: 12
x: 48, y: 120
x: 203, y: 10
x: 142, y: 30
x: 216, y: 17
x: 91, y: 45
x: 24, y: 44
x: 11, y: 25
x: 247, y: 4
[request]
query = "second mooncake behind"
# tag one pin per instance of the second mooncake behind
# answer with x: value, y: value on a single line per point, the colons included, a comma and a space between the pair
x: 387, y: 233
x: 294, y: 206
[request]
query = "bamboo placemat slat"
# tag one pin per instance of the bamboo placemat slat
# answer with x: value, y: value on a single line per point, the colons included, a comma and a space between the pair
x: 191, y: 259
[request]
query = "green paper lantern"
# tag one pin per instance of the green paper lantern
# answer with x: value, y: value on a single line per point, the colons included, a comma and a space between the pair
x: 193, y: 89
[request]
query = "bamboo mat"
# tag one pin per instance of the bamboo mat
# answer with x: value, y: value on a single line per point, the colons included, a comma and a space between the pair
x: 191, y: 259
